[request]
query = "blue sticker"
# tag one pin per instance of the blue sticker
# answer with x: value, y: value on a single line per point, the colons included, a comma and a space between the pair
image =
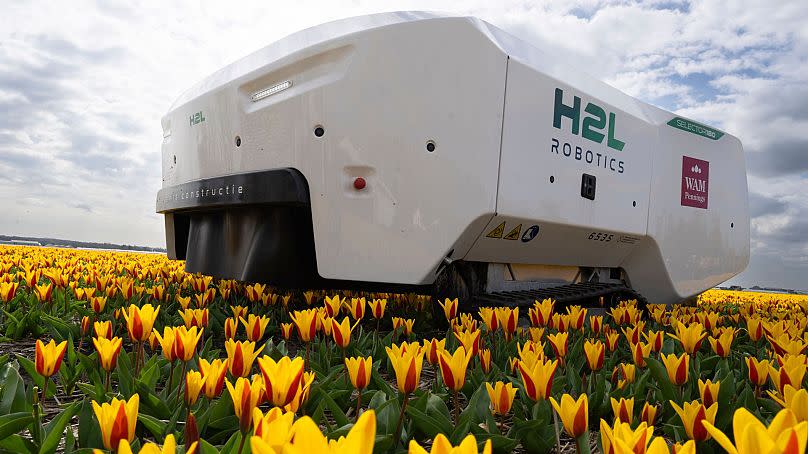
x: 530, y: 233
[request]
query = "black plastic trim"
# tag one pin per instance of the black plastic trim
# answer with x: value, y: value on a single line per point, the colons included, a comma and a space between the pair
x: 277, y: 187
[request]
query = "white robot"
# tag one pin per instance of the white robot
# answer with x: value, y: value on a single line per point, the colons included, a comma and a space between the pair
x: 419, y: 151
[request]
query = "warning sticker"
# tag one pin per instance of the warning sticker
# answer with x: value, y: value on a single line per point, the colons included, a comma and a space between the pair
x: 513, y: 234
x: 497, y: 232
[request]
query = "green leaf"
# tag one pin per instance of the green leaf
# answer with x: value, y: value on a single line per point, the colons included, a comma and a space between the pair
x: 39, y: 380
x: 12, y: 391
x: 13, y: 423
x: 56, y: 428
x: 429, y: 426
x: 89, y: 431
x: 16, y: 444
x: 336, y: 411
x: 153, y: 425
x: 663, y: 382
x: 207, y: 448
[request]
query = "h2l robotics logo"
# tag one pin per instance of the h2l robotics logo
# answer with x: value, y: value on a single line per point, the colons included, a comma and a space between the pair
x: 695, y: 182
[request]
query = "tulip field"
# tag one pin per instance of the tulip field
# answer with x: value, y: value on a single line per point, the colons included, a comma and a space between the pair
x: 122, y: 352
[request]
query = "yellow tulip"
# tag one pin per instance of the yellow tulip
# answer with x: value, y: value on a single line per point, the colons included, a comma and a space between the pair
x: 8, y: 290
x: 341, y: 332
x: 230, y: 328
x: 195, y: 317
x: 595, y: 353
x: 784, y: 434
x: 239, y: 311
x: 185, y: 342
x: 501, y: 396
x: 721, y: 345
x: 167, y: 342
x: 357, y: 308
x: 758, y: 370
x: 245, y: 397
x: 442, y: 445
x: 613, y: 438
x: 139, y: 321
x: 639, y: 352
x: 359, y: 371
x: 677, y: 367
x: 194, y: 382
x: 377, y: 307
x: 611, y: 341
x: 453, y: 367
x: 103, y: 329
x: 508, y: 319
x: 432, y: 348
x: 306, y: 322
x: 791, y: 372
x: 108, y: 350
x: 623, y: 409
x: 240, y: 357
x: 407, y: 364
x: 255, y: 327
x: 48, y: 357
x: 709, y: 392
x: 470, y: 340
x: 693, y: 415
x: 286, y: 330
x: 169, y: 447
x: 560, y: 343
x: 449, y: 308
x: 648, y: 414
x: 538, y: 380
x: 332, y: 305
x: 214, y: 374
x: 274, y: 427
x: 489, y: 318
x: 306, y: 437
x: 541, y: 313
x: 485, y: 360
x: 574, y: 414
x: 117, y: 420
x: 795, y: 400
x: 690, y: 336
x: 282, y: 378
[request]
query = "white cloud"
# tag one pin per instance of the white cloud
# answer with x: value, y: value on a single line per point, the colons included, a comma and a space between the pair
x: 83, y: 86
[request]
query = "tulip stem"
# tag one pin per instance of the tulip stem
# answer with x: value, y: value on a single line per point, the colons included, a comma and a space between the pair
x: 557, y: 434
x: 106, y: 382
x: 358, y: 403
x: 241, y: 443
x: 306, y: 363
x: 44, y: 392
x: 456, y: 407
x: 170, y: 375
x: 399, y: 426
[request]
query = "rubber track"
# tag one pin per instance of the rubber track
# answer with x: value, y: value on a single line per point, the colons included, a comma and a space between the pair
x: 564, y: 295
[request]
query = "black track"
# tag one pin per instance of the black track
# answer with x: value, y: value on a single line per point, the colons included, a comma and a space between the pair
x: 584, y: 293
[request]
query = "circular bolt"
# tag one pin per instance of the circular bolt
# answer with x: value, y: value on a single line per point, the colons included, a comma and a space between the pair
x: 732, y: 225
x: 359, y: 183
x: 552, y: 179
x: 430, y: 146
x: 238, y: 141
x: 319, y: 131
x: 634, y: 203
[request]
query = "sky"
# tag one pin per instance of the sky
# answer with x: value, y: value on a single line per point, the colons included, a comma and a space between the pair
x: 83, y: 86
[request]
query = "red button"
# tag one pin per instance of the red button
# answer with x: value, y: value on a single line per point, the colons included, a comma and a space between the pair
x: 359, y: 183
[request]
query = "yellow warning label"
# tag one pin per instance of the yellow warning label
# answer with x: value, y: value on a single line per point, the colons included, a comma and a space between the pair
x: 497, y: 232
x: 514, y: 234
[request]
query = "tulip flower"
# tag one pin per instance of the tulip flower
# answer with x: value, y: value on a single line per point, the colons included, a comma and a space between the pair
x: 501, y: 396
x: 240, y: 357
x: 784, y: 434
x: 708, y: 392
x: 508, y: 319
x: 184, y: 301
x: 690, y: 336
x: 754, y: 327
x: 44, y: 292
x: 117, y: 420
x: 611, y: 341
x: 305, y: 436
x: 574, y: 414
x: 245, y: 397
x: 306, y: 322
x: 282, y: 378
x: 302, y: 394
x: 576, y: 315
x: 167, y: 342
x: 621, y: 435
x: 332, y: 305
x: 442, y: 445
x: 791, y: 372
x: 453, y: 367
x: 629, y: 372
x: 377, y: 307
x: 407, y: 364
x: 721, y: 345
x: 98, y: 303
x: 239, y: 311
x: 677, y: 367
x: 169, y: 447
x: 274, y: 427
x: 648, y: 414
x: 230, y: 328
x: 195, y: 318
x: 108, y: 351
x: 560, y: 343
x: 485, y: 360
x: 8, y: 290
x: 432, y: 348
x: 595, y: 353
x: 308, y: 296
x: 596, y: 323
x: 784, y: 344
x: 103, y: 329
x: 48, y: 357
x: 489, y: 318
x: 655, y: 339
x: 185, y: 342
x: 214, y: 374
x: 139, y: 321
x: 538, y: 380
x: 634, y: 333
x: 470, y: 341
x: 342, y: 332
x: 357, y: 308
x: 623, y: 409
x: 536, y: 334
x: 359, y: 370
x: 194, y: 382
x: 693, y: 414
x: 449, y: 308
x: 795, y: 400
x: 255, y: 327
x: 286, y: 330
x: 541, y: 313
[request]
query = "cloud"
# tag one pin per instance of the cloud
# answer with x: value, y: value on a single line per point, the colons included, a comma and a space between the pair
x: 83, y: 88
